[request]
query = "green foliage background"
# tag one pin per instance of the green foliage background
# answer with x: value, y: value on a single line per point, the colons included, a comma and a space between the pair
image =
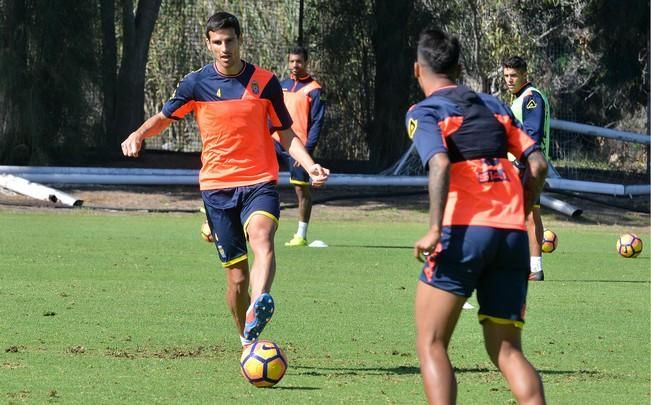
x: 590, y: 56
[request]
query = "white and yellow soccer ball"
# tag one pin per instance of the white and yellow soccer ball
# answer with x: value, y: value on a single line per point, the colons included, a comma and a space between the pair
x: 549, y: 241
x: 629, y: 245
x: 263, y: 363
x: 206, y: 233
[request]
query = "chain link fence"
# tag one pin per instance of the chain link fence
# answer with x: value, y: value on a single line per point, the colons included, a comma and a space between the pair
x: 343, y: 61
x: 178, y: 47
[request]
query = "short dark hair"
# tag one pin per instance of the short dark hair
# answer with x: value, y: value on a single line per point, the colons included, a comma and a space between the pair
x: 515, y: 62
x: 439, y: 50
x: 299, y: 50
x: 221, y: 21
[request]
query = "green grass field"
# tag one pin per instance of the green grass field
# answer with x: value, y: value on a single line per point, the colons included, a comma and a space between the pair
x: 111, y: 308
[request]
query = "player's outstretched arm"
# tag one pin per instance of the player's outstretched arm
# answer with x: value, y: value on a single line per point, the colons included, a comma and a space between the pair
x: 293, y: 145
x: 152, y: 127
x: 534, y: 179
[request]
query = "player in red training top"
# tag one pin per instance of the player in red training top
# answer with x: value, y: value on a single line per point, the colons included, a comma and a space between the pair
x: 307, y: 109
x: 233, y: 103
x: 477, y: 238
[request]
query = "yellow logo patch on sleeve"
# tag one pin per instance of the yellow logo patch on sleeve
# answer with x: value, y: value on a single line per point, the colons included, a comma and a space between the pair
x: 531, y: 105
x: 411, y: 127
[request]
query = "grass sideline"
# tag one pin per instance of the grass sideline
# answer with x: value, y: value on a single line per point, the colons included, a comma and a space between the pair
x: 115, y: 308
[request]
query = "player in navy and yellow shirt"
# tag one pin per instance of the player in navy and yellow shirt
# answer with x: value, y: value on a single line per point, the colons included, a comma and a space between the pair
x: 476, y: 238
x: 303, y: 100
x: 234, y: 103
x: 531, y: 108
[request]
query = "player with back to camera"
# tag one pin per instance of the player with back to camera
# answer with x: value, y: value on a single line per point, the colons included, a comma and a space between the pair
x: 305, y: 104
x: 531, y: 108
x: 233, y: 103
x: 477, y: 238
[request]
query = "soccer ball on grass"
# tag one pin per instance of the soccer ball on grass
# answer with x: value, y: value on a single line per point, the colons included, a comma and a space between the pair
x: 549, y: 241
x: 629, y: 245
x: 263, y: 363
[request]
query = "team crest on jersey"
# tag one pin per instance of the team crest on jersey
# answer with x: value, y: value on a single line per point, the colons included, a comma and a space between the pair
x: 531, y: 105
x: 254, y: 87
x: 411, y: 127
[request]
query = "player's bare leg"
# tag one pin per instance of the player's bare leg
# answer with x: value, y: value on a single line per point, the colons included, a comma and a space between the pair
x: 436, y: 312
x: 535, y: 232
x: 304, y: 197
x: 260, y: 230
x: 504, y: 346
x: 237, y: 292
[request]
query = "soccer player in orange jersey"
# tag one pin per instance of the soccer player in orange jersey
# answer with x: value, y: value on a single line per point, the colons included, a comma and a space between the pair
x: 306, y: 106
x: 233, y: 103
x: 477, y: 239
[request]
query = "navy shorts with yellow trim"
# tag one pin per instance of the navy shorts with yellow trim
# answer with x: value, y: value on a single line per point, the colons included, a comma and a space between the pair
x: 297, y: 175
x: 493, y: 261
x: 228, y: 212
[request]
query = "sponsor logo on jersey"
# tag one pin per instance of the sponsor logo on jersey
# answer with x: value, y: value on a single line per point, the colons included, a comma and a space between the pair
x: 531, y: 105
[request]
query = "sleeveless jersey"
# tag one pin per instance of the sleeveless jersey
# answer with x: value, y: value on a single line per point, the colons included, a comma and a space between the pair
x: 527, y: 101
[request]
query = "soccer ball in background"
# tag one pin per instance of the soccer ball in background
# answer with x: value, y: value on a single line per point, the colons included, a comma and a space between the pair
x: 206, y: 234
x: 629, y: 245
x: 263, y: 363
x: 549, y: 241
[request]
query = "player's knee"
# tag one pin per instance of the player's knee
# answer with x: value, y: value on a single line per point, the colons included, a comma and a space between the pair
x: 427, y: 346
x: 238, y: 279
x: 261, y: 231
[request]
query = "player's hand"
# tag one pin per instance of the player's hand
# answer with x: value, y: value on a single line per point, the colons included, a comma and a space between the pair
x: 318, y: 174
x: 131, y: 146
x: 426, y: 245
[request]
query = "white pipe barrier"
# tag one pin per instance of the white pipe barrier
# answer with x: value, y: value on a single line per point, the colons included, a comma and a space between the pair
x: 73, y: 175
x: 599, y: 131
x: 134, y: 176
x: 619, y: 190
x: 37, y: 191
x: 560, y: 206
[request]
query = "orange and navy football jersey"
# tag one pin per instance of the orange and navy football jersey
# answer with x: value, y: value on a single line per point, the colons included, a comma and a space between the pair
x: 234, y: 114
x: 305, y: 106
x: 476, y: 131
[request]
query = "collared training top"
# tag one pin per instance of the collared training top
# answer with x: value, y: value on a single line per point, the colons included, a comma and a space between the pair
x: 306, y: 107
x: 476, y: 131
x: 234, y: 114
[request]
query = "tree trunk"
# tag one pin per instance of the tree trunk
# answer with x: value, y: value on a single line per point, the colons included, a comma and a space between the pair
x: 126, y: 99
x: 388, y: 138
x: 109, y: 76
x: 14, y: 128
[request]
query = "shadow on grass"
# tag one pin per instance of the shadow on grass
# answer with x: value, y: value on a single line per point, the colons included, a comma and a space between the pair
x: 599, y: 281
x: 371, y: 246
x: 410, y: 370
x: 296, y: 388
